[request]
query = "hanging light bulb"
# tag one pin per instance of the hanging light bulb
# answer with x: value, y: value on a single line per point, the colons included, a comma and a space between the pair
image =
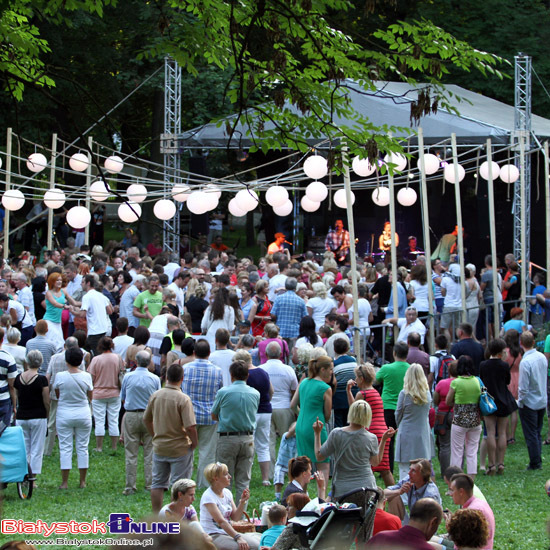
x: 54, y: 198
x: 13, y: 199
x: 449, y: 172
x: 284, y: 210
x: 79, y: 162
x: 308, y: 205
x: 316, y: 191
x: 406, y: 196
x: 234, y: 209
x: 129, y: 212
x: 36, y: 162
x: 484, y: 170
x: 100, y: 191
x: 113, y: 164
x: 509, y: 173
x: 164, y: 209
x: 362, y: 167
x: 431, y: 164
x: 246, y: 199
x: 276, y: 196
x: 197, y: 202
x: 316, y: 167
x: 399, y: 160
x: 180, y: 192
x: 341, y: 200
x: 381, y: 196
x: 78, y: 217
x: 136, y: 192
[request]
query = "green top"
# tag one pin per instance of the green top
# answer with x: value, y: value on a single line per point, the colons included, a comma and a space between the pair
x: 154, y: 303
x: 466, y: 389
x: 392, y: 375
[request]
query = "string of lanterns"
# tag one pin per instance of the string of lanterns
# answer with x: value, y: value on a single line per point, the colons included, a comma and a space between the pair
x: 245, y: 200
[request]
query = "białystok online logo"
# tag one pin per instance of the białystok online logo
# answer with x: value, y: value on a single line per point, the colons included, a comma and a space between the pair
x: 118, y: 524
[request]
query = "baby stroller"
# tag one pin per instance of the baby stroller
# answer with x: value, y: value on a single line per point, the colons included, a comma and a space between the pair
x: 338, y: 528
x: 13, y: 461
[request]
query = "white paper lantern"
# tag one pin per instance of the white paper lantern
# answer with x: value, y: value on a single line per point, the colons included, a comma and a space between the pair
x: 308, y: 205
x: 399, y: 160
x: 0, y: 163
x: 129, y: 212
x: 449, y: 172
x: 54, y: 198
x: 212, y: 201
x: 234, y: 209
x: 13, y: 199
x: 484, y: 170
x: 78, y: 217
x: 136, y: 192
x: 316, y: 167
x: 79, y: 162
x: 164, y: 209
x: 340, y: 198
x: 36, y: 162
x: 113, y: 164
x: 431, y: 164
x: 285, y: 209
x: 246, y: 200
x: 98, y: 191
x: 276, y: 196
x: 362, y: 167
x: 316, y: 191
x: 180, y: 192
x: 381, y: 196
x: 197, y: 202
x: 212, y: 189
x: 509, y: 173
x: 406, y: 196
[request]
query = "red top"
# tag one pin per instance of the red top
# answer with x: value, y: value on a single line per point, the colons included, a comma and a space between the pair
x: 384, y: 521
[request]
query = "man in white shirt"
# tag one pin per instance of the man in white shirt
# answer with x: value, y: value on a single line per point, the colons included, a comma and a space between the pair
x: 223, y: 357
x: 74, y: 284
x: 180, y: 282
x: 409, y: 324
x: 126, y: 308
x: 452, y: 305
x: 284, y: 382
x: 96, y: 308
x: 25, y: 298
x: 172, y: 267
x: 277, y: 278
x: 122, y: 342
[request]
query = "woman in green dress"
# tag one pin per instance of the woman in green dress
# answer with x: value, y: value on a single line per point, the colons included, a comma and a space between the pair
x: 314, y: 398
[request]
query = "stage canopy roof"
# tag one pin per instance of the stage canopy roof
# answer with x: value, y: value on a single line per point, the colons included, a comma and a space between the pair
x: 480, y: 118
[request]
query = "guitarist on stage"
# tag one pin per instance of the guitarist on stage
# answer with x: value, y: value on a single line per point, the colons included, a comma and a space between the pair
x: 337, y: 241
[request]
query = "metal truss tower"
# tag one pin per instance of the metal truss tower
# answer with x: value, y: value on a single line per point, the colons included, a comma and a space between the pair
x: 169, y: 147
x: 522, y: 126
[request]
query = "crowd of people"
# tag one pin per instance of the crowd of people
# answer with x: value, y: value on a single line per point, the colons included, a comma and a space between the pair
x: 227, y: 356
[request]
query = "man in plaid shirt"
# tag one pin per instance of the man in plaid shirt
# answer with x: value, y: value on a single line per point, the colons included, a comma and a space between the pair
x: 337, y: 241
x: 201, y: 382
x: 287, y: 312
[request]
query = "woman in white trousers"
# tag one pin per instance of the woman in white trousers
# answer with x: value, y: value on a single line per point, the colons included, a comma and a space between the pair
x: 73, y: 389
x: 33, y: 398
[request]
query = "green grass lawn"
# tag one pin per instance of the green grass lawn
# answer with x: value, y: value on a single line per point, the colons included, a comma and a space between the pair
x: 518, y: 497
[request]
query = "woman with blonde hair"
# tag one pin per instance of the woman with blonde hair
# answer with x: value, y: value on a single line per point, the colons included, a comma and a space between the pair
x: 354, y: 449
x: 320, y: 305
x: 195, y: 304
x: 411, y: 416
x: 181, y: 506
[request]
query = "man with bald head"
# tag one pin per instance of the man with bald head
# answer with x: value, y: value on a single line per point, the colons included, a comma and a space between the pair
x: 284, y: 382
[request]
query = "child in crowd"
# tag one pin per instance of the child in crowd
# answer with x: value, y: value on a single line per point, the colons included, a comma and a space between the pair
x: 277, y: 516
x: 325, y: 333
x: 287, y: 450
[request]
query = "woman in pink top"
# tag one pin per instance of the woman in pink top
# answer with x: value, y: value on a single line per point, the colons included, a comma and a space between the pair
x: 444, y: 418
x: 513, y: 358
x: 271, y: 333
x: 106, y: 369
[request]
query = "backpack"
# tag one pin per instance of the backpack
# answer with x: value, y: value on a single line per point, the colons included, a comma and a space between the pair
x: 444, y: 362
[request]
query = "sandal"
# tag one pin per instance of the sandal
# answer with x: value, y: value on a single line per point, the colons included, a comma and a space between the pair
x: 546, y: 441
x: 511, y: 441
x: 491, y: 470
x: 500, y: 469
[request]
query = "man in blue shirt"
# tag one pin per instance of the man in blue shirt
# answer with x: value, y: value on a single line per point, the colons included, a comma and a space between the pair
x: 532, y: 398
x: 137, y: 387
x: 235, y: 410
x: 287, y: 312
x: 201, y: 381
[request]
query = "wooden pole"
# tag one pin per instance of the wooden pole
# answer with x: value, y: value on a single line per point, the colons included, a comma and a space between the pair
x: 493, y: 238
x: 88, y: 183
x: 393, y: 249
x: 524, y: 266
x: 353, y: 261
x: 52, y: 184
x: 547, y: 197
x: 426, y: 236
x: 8, y: 184
x: 459, y: 237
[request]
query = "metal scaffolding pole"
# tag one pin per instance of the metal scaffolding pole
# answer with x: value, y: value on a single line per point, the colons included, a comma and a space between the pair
x: 172, y: 127
x: 522, y: 140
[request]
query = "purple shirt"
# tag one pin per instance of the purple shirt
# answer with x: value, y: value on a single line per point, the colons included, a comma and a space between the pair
x: 406, y: 538
x: 421, y: 357
x: 475, y: 503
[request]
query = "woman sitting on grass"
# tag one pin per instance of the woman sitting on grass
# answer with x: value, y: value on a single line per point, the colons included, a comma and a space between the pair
x: 181, y: 507
x: 218, y: 509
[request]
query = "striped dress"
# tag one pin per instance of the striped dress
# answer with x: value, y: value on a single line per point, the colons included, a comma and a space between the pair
x: 378, y: 425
